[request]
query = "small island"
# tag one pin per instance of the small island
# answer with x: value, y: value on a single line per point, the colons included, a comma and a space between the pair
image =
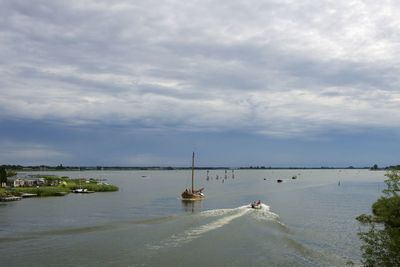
x: 38, y: 185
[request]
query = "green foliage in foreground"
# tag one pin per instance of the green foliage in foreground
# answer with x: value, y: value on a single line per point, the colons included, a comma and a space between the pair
x: 3, y: 176
x: 381, y: 241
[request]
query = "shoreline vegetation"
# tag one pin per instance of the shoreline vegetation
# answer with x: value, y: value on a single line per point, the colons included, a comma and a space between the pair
x: 380, y: 232
x: 56, y: 186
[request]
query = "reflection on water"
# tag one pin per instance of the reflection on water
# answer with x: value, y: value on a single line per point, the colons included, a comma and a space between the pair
x: 192, y: 206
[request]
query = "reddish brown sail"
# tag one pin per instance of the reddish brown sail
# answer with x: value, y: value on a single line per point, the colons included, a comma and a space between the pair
x: 193, y: 194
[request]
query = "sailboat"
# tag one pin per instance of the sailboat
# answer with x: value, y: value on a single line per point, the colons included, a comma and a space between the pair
x: 192, y: 194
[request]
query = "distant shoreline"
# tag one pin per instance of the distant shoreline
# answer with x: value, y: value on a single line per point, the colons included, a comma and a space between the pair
x: 124, y: 168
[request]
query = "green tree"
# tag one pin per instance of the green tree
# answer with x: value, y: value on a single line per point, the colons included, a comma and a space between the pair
x: 381, y: 241
x: 11, y: 173
x: 3, y: 176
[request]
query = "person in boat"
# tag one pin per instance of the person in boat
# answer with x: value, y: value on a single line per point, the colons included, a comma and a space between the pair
x: 255, y: 204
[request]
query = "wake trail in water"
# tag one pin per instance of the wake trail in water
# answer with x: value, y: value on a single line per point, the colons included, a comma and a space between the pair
x: 264, y: 214
x: 227, y: 216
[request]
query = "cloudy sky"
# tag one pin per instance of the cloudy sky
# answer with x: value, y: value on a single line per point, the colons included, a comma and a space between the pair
x: 267, y: 82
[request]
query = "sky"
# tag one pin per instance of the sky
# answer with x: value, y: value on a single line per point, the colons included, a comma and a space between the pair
x: 144, y: 83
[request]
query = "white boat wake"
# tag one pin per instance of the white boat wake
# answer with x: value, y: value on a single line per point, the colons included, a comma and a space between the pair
x: 227, y: 216
x: 264, y: 214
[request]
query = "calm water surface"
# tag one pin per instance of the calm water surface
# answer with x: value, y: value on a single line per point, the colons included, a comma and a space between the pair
x: 309, y: 221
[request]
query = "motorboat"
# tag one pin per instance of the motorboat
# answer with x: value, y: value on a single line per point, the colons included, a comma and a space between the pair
x: 256, y: 205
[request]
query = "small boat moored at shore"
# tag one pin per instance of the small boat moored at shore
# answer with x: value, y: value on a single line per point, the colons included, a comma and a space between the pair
x: 81, y: 191
x: 25, y: 195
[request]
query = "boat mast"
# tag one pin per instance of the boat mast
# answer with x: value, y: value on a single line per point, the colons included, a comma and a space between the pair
x: 193, y: 172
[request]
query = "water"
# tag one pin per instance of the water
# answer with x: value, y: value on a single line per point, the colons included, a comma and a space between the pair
x: 309, y: 221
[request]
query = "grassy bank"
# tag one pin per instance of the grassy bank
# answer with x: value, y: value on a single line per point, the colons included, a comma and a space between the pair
x: 44, y: 191
x: 60, y: 186
x: 91, y: 185
x: 7, y: 193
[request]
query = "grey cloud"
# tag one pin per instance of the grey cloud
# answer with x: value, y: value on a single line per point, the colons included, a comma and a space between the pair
x: 21, y: 153
x: 200, y: 65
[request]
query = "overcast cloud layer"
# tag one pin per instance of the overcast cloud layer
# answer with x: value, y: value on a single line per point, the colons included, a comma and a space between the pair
x: 277, y: 69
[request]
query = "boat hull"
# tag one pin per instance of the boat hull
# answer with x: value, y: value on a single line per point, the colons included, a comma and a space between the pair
x: 256, y: 206
x: 81, y: 191
x: 192, y: 196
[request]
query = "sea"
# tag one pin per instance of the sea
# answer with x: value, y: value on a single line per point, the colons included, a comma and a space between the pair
x: 307, y: 221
